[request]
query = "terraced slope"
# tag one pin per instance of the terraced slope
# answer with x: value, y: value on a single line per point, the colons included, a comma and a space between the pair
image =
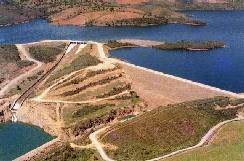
x: 82, y: 93
x: 169, y: 128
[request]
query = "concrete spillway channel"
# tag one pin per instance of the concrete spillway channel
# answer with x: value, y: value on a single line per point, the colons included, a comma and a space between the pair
x: 20, y: 100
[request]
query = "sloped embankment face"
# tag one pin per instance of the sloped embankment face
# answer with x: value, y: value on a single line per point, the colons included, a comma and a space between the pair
x: 87, y: 92
x: 169, y: 128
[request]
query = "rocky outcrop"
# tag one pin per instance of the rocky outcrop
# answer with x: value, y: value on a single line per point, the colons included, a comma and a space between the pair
x: 5, y: 113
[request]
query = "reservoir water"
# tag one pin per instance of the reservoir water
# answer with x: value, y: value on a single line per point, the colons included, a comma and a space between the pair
x: 17, y: 139
x: 222, y: 68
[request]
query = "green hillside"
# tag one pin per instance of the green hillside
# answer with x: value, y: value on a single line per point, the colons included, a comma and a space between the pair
x: 169, y: 128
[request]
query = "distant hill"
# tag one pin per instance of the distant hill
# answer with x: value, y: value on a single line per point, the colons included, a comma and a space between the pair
x: 107, y: 12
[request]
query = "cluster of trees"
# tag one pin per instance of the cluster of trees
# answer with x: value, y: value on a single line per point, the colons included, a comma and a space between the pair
x: 46, y: 54
x: 115, y: 44
x: 143, y: 21
x: 90, y: 109
x: 115, y: 91
x: 184, y: 45
x: 80, y: 127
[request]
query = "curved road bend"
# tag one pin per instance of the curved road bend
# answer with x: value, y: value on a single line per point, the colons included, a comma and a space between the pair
x: 19, y: 101
x: 97, y: 144
x: 15, y: 81
x: 203, y: 141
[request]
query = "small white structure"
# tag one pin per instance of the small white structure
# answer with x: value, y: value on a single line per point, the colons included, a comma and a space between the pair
x: 14, y: 117
x: 16, y: 106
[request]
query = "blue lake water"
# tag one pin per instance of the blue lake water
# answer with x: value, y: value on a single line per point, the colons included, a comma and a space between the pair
x: 222, y: 25
x: 223, y: 68
x: 17, y: 139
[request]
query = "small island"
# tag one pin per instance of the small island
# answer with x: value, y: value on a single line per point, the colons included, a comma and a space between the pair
x: 194, y: 46
x: 195, y: 23
x: 114, y: 44
x: 180, y: 45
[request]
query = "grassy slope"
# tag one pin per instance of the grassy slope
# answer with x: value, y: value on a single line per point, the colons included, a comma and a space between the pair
x: 237, y: 4
x: 167, y: 129
x: 9, y: 55
x: 154, y: 11
x: 11, y: 14
x: 66, y: 153
x: 46, y: 54
x: 26, y: 83
x: 52, y: 10
x: 83, y: 60
x: 228, y: 144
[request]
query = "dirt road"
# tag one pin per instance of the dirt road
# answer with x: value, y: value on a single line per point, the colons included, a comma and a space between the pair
x: 97, y: 144
x: 15, y: 81
x: 203, y: 141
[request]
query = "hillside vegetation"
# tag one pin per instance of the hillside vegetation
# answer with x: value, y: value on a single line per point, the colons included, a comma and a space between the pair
x: 15, y: 14
x: 11, y: 63
x: 108, y: 12
x: 46, y: 53
x: 183, y: 45
x: 113, y: 44
x: 227, y: 144
x: 89, y: 13
x: 169, y: 128
x: 66, y: 153
x: 82, y: 77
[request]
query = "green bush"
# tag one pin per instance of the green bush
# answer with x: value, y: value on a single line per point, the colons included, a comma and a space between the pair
x: 183, y: 45
x: 24, y: 63
x: 46, y: 54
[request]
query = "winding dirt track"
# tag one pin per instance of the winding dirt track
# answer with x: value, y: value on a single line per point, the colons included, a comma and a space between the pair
x: 203, y: 141
x: 15, y: 81
x: 98, y: 145
x: 81, y: 102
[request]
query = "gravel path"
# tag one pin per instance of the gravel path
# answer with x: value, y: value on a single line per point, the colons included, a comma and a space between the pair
x: 15, y: 81
x: 203, y: 141
x: 98, y: 145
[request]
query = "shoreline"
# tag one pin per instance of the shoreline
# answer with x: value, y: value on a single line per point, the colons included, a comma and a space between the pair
x: 36, y: 151
x: 233, y: 94
x: 74, y: 25
x: 19, y: 23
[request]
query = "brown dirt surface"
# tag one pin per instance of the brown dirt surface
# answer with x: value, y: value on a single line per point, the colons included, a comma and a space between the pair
x: 101, y: 18
x: 160, y: 90
x: 44, y: 117
x: 131, y: 2
x: 147, y: 43
x: 64, y: 15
